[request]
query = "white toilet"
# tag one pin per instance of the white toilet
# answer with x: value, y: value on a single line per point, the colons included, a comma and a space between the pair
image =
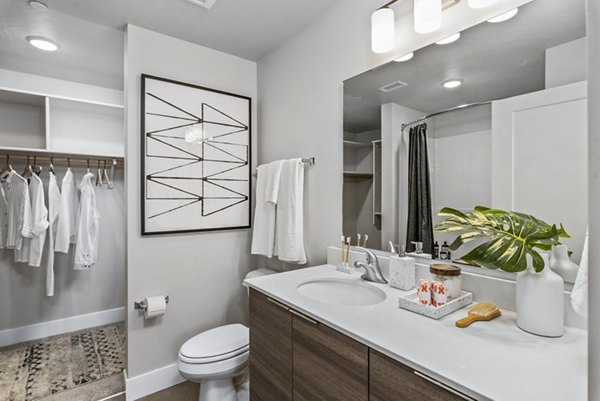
x: 215, y: 357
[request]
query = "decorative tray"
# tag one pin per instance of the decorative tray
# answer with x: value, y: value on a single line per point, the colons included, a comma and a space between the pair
x: 411, y: 302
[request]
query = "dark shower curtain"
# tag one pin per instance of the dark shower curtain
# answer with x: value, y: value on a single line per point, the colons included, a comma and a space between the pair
x: 420, y: 219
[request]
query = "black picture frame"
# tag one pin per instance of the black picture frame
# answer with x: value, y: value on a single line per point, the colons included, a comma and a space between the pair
x: 143, y: 155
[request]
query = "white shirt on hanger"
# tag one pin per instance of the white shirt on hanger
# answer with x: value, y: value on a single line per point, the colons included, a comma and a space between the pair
x: 53, y: 213
x: 32, y: 248
x: 66, y: 233
x: 15, y: 210
x: 86, y: 250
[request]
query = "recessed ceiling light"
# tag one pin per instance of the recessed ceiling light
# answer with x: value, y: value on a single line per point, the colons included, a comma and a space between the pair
x: 43, y: 43
x: 406, y: 57
x: 481, y: 3
x: 449, y: 39
x: 38, y: 5
x: 203, y: 3
x: 452, y: 83
x: 504, y: 17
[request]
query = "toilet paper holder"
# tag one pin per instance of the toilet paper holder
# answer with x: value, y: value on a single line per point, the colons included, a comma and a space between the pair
x: 142, y: 304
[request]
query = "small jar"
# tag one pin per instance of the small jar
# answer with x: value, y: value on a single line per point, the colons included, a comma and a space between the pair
x: 449, y: 275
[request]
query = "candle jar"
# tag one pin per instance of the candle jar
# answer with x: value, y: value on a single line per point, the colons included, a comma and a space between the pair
x: 449, y: 275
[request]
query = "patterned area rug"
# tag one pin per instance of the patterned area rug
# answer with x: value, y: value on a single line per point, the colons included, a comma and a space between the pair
x: 38, y: 369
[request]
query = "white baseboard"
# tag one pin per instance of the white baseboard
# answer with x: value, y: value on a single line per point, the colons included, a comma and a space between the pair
x: 61, y: 326
x: 152, y: 382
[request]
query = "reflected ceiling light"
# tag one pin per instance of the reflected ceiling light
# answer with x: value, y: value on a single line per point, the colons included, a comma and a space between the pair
x: 449, y: 39
x: 427, y: 15
x: 481, y: 3
x: 452, y: 83
x: 43, y: 43
x: 383, y: 30
x: 504, y: 17
x: 406, y: 57
x: 37, y: 5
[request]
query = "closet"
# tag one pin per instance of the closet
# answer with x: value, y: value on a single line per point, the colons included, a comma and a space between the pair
x: 46, y: 121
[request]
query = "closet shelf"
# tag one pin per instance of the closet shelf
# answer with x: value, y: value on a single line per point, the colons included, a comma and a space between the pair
x: 356, y: 145
x: 15, y: 151
x: 353, y: 176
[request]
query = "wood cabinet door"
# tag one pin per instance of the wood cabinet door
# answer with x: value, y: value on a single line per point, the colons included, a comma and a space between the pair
x: 270, y: 349
x: 390, y: 380
x: 328, y: 366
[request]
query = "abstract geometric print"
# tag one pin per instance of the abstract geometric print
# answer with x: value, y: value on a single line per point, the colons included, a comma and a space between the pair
x: 196, y: 158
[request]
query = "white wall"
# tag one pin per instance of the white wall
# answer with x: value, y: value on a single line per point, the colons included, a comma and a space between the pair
x: 566, y: 63
x: 593, y: 26
x: 301, y: 98
x: 202, y: 273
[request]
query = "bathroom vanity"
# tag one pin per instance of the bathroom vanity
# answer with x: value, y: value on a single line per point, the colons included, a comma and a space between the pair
x: 352, y: 343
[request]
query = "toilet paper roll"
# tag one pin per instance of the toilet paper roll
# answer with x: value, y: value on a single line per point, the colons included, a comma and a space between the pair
x: 155, y: 306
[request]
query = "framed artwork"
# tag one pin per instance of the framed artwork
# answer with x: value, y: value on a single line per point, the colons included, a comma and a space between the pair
x: 195, y: 161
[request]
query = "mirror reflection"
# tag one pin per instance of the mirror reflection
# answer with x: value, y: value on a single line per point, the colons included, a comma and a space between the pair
x: 496, y: 117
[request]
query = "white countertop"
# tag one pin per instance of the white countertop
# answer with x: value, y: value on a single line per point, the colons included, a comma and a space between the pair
x: 489, y: 360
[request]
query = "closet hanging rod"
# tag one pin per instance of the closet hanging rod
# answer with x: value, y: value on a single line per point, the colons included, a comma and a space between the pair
x: 92, y: 161
x: 463, y: 106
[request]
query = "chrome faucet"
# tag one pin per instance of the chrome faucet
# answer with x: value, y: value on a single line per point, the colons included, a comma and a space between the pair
x: 372, y: 269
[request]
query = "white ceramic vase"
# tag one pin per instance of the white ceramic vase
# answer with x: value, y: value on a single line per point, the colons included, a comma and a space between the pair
x: 561, y: 264
x: 540, y: 300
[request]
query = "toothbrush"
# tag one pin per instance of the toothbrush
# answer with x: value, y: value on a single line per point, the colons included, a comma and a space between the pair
x: 348, y: 241
x: 366, y: 238
x: 343, y: 251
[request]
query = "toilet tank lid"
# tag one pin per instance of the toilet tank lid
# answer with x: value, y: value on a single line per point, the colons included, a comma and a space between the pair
x: 218, y: 341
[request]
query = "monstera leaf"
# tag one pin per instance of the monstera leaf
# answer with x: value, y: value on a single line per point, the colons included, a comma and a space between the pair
x: 512, y: 236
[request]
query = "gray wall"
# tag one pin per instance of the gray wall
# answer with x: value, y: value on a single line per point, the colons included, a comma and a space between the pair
x: 301, y: 114
x: 202, y: 273
x: 23, y: 299
x: 594, y: 193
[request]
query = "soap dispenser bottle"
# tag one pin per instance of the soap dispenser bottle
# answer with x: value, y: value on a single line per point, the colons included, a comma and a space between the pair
x: 444, y: 251
x: 436, y: 250
x: 402, y: 270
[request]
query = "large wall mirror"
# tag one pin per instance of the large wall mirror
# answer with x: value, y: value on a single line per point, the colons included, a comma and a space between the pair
x: 496, y: 118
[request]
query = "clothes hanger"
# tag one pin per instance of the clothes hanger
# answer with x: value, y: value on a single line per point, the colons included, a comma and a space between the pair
x: 7, y: 167
x: 36, y: 169
x: 106, y: 179
x: 99, y: 182
x: 69, y: 163
x: 51, y: 167
x: 28, y: 172
x: 88, y: 166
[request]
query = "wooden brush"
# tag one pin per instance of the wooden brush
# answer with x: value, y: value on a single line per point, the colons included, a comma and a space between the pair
x: 482, y: 311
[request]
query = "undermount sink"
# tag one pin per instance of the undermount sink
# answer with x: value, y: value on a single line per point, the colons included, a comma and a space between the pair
x: 342, y: 292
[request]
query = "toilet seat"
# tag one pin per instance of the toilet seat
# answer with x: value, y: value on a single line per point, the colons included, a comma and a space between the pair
x: 215, y: 345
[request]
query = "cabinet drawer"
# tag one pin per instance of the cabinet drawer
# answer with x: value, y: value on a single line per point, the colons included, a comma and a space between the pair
x: 328, y: 365
x: 391, y: 380
x: 270, y: 349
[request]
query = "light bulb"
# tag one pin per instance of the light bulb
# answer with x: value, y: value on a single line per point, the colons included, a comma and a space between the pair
x: 449, y: 39
x: 43, y: 43
x: 504, y: 17
x: 383, y: 30
x: 452, y: 83
x: 428, y: 15
x: 406, y: 57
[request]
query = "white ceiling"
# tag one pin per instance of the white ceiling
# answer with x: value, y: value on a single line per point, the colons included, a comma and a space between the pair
x: 494, y: 60
x: 91, y: 31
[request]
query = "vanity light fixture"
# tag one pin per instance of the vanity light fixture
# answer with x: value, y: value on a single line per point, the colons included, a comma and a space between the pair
x: 427, y: 15
x: 449, y: 39
x: 481, y: 3
x: 406, y: 57
x: 383, y: 30
x: 452, y: 83
x: 43, y: 43
x: 37, y: 5
x: 504, y: 17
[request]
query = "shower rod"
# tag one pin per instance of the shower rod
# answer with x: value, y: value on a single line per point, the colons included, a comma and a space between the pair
x: 462, y: 106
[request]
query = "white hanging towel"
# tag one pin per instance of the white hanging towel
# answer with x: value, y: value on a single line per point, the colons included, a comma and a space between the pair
x: 86, y: 249
x: 267, y: 187
x: 290, y: 213
x: 32, y: 249
x: 579, y: 295
x: 66, y: 232
x: 53, y: 213
x: 15, y: 210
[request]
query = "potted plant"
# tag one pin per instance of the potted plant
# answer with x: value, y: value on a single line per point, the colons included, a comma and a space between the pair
x: 518, y: 243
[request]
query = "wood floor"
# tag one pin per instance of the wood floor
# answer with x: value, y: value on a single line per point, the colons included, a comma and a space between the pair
x: 186, y: 391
